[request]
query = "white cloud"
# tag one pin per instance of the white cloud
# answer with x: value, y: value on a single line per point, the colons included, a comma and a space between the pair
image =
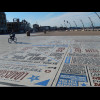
x: 49, y: 15
x: 71, y: 16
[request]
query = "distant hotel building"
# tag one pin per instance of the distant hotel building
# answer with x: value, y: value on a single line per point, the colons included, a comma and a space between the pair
x: 18, y: 26
x: 38, y: 28
x: 3, y: 25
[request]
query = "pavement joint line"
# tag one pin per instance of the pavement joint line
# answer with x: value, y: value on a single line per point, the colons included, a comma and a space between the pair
x: 88, y: 76
x: 59, y: 67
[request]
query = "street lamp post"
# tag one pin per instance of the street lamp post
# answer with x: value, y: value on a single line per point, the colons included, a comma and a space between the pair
x: 75, y: 24
x: 65, y: 24
x: 91, y: 23
x: 61, y: 26
x: 69, y: 24
x: 82, y: 24
x: 97, y: 15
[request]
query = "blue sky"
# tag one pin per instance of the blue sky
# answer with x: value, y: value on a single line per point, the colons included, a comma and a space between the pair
x: 55, y: 18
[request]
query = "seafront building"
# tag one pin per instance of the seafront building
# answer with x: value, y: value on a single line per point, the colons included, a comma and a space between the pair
x: 3, y: 23
x: 18, y: 26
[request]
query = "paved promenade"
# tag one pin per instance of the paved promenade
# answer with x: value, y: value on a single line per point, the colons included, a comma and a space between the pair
x: 50, y: 61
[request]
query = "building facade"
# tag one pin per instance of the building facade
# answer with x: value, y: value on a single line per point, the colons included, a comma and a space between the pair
x: 36, y: 28
x: 47, y: 28
x: 18, y: 26
x: 3, y: 24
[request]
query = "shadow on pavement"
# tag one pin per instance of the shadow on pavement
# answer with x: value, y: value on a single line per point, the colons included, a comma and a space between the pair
x: 22, y: 43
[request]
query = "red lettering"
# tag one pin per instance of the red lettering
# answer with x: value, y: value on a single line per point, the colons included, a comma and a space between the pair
x: 60, y: 49
x: 96, y: 84
x: 78, y: 50
x: 9, y: 75
x: 12, y: 74
x: 91, y: 50
x: 15, y: 73
x: 24, y: 76
x: 2, y: 73
x: 97, y: 78
x: 94, y: 78
x: 19, y: 75
x: 88, y: 50
x: 47, y: 71
x: 26, y: 48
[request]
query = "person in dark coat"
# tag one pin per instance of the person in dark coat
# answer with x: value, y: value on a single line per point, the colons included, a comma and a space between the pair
x: 12, y: 34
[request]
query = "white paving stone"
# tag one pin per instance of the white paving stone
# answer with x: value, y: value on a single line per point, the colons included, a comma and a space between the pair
x: 40, y: 61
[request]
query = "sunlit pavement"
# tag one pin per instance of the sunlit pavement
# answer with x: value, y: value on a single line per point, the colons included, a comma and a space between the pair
x: 50, y: 61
